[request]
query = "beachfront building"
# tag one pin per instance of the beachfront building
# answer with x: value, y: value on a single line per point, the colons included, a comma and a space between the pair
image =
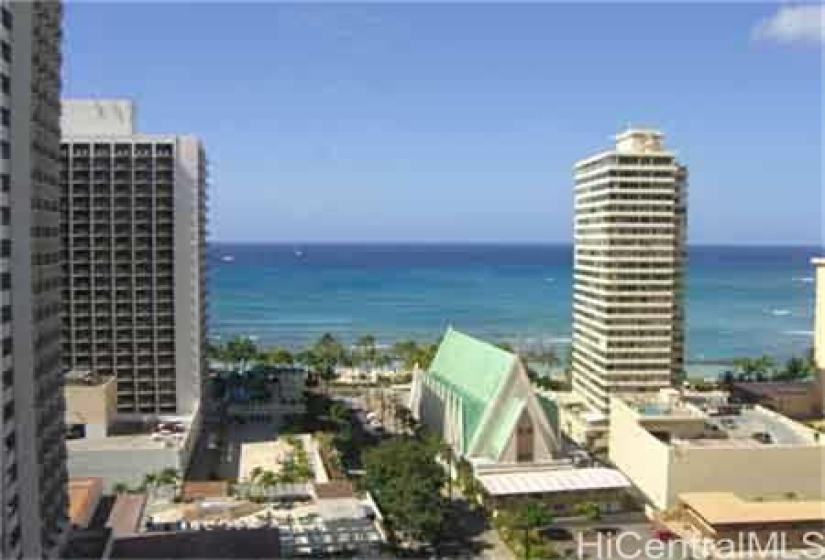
x: 819, y: 333
x: 479, y: 400
x: 669, y: 445
x: 33, y: 480
x: 630, y: 220
x: 133, y: 240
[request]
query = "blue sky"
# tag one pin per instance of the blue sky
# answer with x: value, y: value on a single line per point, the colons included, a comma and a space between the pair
x: 461, y: 122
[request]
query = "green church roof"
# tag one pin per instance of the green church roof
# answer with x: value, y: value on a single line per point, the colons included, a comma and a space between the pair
x: 473, y: 370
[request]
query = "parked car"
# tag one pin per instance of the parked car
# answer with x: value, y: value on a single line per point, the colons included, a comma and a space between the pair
x: 664, y: 535
x: 607, y: 531
x: 556, y: 534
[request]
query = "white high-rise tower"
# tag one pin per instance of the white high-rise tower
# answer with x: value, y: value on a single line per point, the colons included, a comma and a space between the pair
x: 630, y: 222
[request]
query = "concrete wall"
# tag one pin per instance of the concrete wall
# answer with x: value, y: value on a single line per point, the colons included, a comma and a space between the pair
x: 819, y: 315
x: 121, y: 465
x: 641, y: 457
x: 189, y: 332
x: 92, y: 405
x: 662, y: 471
x: 769, y: 471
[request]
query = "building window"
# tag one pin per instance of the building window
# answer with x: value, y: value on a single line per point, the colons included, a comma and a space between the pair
x: 5, y: 116
x: 5, y: 50
x: 5, y: 150
x: 5, y: 83
x: 524, y: 439
x: 5, y: 16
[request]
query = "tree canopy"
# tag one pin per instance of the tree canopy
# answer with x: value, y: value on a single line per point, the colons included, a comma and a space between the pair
x: 406, y: 481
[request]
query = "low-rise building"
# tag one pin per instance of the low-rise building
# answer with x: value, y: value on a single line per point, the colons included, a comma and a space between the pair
x: 132, y: 450
x: 91, y: 404
x: 722, y: 522
x: 795, y: 399
x: 668, y: 446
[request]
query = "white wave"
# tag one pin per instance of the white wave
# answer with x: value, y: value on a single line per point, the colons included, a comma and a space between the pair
x: 799, y: 333
x: 549, y: 280
x: 780, y: 312
x: 804, y: 279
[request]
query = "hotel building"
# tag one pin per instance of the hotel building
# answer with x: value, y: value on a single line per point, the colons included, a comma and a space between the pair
x: 628, y: 317
x: 134, y: 209
x: 33, y: 480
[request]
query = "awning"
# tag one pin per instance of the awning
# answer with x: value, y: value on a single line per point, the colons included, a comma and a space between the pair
x: 550, y: 481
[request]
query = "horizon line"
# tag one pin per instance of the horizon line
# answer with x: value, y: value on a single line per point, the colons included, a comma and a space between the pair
x: 794, y: 244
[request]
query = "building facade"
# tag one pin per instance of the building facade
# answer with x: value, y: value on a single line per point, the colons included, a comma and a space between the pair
x: 819, y: 333
x: 34, y: 491
x: 134, y: 256
x: 668, y: 446
x: 630, y: 221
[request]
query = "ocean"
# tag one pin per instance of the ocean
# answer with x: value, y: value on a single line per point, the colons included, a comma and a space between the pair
x: 740, y: 301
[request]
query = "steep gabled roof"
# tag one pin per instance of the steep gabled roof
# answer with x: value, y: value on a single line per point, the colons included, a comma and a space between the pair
x: 474, y: 371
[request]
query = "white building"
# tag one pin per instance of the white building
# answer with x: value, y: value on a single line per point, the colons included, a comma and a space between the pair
x: 33, y: 480
x: 134, y: 245
x: 628, y: 331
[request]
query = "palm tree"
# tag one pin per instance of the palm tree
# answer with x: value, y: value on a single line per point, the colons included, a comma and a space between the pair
x: 242, y: 351
x: 120, y: 488
x: 366, y: 350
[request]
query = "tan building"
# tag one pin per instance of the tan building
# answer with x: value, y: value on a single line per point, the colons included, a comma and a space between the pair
x: 91, y: 403
x: 724, y: 522
x: 667, y: 446
x: 630, y: 221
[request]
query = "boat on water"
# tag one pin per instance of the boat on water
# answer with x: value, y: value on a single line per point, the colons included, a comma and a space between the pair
x: 227, y: 258
x: 299, y: 253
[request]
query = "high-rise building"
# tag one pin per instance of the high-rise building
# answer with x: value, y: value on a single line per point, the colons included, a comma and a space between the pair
x: 133, y: 243
x: 630, y: 221
x: 33, y: 492
x: 819, y: 333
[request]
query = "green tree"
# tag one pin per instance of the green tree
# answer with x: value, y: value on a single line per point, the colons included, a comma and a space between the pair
x: 120, y: 488
x: 589, y: 510
x: 406, y: 481
x: 506, y: 346
x: 529, y: 516
x: 278, y: 356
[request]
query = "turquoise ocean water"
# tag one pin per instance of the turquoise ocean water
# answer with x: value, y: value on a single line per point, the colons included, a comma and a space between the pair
x: 740, y: 300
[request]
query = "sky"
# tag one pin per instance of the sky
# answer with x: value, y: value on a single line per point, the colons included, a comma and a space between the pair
x: 461, y: 122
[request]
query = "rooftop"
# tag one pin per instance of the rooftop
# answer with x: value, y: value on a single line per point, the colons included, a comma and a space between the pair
x: 215, y: 543
x: 474, y: 371
x: 132, y: 436
x: 86, y: 378
x: 126, y: 514
x: 561, y: 480
x: 775, y: 388
x: 84, y: 494
x: 724, y: 508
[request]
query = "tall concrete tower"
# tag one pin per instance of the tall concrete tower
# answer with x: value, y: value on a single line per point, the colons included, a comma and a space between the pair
x: 134, y: 245
x: 33, y: 479
x: 630, y: 222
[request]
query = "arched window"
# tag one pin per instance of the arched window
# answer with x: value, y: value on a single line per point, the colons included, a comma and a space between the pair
x: 524, y: 439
